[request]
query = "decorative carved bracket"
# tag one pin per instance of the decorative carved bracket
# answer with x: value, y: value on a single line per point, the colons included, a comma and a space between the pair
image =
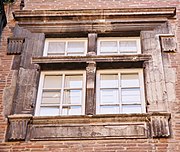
x: 17, y: 128
x: 15, y: 45
x: 168, y: 43
x: 160, y: 126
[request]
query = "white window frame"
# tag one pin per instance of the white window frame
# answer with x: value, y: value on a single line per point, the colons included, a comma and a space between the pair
x: 120, y: 71
x: 117, y: 39
x: 66, y: 40
x: 69, y: 72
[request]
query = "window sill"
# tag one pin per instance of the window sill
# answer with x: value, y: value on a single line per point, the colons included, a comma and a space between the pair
x: 88, y: 127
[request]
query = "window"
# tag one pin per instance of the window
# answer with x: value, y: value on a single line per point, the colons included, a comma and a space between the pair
x: 67, y: 47
x: 123, y: 45
x: 120, y: 91
x: 61, y: 93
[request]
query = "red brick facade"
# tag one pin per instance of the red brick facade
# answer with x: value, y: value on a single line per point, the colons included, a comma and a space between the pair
x: 170, y: 144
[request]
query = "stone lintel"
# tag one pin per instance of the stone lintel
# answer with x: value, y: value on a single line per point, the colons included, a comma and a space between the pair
x: 99, y: 58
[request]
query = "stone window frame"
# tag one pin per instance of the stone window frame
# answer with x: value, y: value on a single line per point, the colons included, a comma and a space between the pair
x: 108, y: 21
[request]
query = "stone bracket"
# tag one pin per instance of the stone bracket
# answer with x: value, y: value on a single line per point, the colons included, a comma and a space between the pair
x: 168, y: 43
x: 18, y: 125
x: 15, y: 45
x: 160, y: 126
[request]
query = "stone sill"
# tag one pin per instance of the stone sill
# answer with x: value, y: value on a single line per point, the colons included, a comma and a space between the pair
x: 114, y: 126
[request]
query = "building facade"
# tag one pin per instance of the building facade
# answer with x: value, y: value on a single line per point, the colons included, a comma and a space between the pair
x: 91, y: 76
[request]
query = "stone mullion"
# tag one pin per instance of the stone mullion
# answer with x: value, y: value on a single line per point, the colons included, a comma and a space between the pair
x: 91, y: 76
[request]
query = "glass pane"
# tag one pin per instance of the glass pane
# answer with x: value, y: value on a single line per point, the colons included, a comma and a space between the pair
x: 56, y: 47
x: 130, y: 96
x: 52, y: 81
x: 51, y: 97
x: 71, y: 110
x: 109, y: 96
x: 76, y: 47
x: 131, y: 109
x: 109, y: 109
x: 49, y: 111
x: 109, y: 81
x: 127, y: 46
x: 73, y: 81
x: 129, y: 80
x: 108, y: 47
x: 72, y: 96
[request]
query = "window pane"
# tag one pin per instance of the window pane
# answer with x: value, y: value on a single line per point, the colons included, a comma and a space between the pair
x: 51, y: 97
x: 73, y: 81
x: 129, y: 80
x: 49, y: 111
x: 109, y: 109
x: 71, y: 110
x: 76, y: 47
x: 108, y: 47
x: 127, y: 46
x: 131, y: 109
x: 56, y: 47
x: 52, y: 81
x: 72, y: 96
x: 130, y: 96
x: 109, y: 96
x: 109, y: 81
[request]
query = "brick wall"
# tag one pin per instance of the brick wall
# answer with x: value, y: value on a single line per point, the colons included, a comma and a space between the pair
x: 171, y: 144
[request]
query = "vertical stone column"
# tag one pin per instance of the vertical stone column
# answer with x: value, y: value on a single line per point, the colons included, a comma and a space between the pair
x: 90, y: 88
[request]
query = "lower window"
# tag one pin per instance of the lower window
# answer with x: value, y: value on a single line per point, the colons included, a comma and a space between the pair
x: 120, y: 91
x: 61, y: 93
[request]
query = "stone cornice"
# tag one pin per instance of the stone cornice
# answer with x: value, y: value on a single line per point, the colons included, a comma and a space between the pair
x: 101, y: 13
x: 100, y: 20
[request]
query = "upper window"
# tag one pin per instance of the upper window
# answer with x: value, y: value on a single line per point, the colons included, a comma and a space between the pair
x: 120, y: 91
x: 119, y: 45
x: 67, y: 47
x: 61, y: 93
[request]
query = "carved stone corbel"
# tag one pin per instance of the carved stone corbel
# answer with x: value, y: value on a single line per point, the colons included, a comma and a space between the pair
x: 18, y: 125
x: 15, y: 45
x: 160, y: 126
x: 168, y: 43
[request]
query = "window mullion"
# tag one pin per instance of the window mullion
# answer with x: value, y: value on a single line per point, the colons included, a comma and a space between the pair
x: 62, y: 94
x: 120, y: 94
